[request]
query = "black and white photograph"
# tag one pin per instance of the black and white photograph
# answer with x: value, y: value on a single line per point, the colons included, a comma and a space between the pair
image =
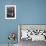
x: 10, y: 11
x: 29, y: 34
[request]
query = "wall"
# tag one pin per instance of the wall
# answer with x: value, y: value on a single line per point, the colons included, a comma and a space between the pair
x: 31, y: 11
x: 6, y: 26
x: 27, y: 12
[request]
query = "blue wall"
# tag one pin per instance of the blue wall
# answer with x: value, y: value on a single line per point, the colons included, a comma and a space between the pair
x: 27, y: 12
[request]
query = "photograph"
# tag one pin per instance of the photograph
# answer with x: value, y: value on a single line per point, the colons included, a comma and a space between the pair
x: 10, y: 11
x: 28, y: 33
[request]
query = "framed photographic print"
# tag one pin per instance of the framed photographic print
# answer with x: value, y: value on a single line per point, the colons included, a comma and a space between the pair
x: 10, y: 11
x: 33, y: 32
